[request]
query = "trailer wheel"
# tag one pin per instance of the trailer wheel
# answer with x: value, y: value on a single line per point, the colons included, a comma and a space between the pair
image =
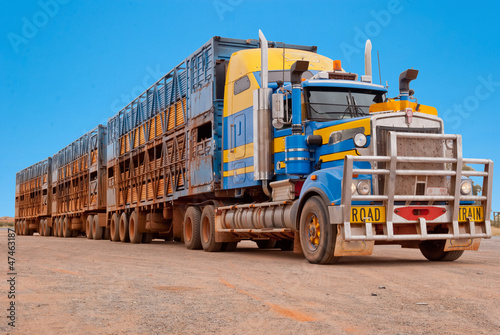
x: 123, y: 228
x: 208, y: 230
x: 40, y: 228
x: 47, y: 231
x: 88, y: 226
x: 147, y: 237
x: 114, y: 228
x: 434, y: 251
x: 26, y: 227
x: 266, y: 244
x: 229, y: 246
x: 133, y: 228
x: 97, y: 230
x: 66, y: 231
x: 61, y: 226
x: 317, y: 235
x: 191, y: 228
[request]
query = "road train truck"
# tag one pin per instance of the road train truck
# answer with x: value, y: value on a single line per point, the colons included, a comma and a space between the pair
x: 258, y: 140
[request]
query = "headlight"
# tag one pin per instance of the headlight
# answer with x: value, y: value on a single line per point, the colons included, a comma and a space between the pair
x: 353, y: 188
x: 466, y: 187
x: 359, y: 140
x: 364, y: 187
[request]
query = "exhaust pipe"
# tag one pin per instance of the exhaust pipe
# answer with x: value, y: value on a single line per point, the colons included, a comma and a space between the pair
x: 264, y: 72
x: 368, y: 62
x: 404, y: 82
x: 262, y: 124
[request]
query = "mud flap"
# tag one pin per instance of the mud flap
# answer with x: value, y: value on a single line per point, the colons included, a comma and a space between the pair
x: 352, y: 248
x: 462, y: 244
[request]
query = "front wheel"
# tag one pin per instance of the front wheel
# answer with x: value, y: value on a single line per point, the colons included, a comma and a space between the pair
x: 434, y: 251
x: 317, y: 235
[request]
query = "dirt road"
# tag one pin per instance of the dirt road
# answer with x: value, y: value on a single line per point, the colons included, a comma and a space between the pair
x: 80, y: 286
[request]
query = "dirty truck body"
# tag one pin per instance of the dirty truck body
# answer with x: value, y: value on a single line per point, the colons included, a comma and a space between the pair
x: 249, y: 139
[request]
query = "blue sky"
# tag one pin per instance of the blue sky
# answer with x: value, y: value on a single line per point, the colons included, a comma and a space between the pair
x: 68, y: 65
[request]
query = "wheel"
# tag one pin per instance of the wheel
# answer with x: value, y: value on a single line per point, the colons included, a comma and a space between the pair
x: 208, y: 230
x: 317, y: 235
x: 97, y: 230
x: 56, y: 232
x: 133, y: 228
x: 61, y: 226
x: 123, y: 228
x: 88, y: 226
x: 266, y: 244
x: 433, y: 250
x: 147, y: 237
x: 191, y: 228
x: 55, y: 227
x: 66, y: 231
x: 229, y: 246
x: 114, y: 230
x: 26, y: 227
x: 41, y: 228
x: 47, y: 231
x: 285, y: 245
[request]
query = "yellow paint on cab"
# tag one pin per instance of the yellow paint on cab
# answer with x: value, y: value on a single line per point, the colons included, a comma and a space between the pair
x: 401, y: 105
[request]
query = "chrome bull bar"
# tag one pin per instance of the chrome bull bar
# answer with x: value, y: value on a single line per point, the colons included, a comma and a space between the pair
x: 342, y: 214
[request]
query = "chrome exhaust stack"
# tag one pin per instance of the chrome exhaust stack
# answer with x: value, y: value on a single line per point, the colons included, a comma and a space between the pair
x: 262, y: 123
x: 367, y: 78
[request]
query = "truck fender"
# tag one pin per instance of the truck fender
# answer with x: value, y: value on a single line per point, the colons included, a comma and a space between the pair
x: 326, y: 183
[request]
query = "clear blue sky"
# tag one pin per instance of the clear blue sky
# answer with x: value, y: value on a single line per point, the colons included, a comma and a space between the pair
x: 68, y: 65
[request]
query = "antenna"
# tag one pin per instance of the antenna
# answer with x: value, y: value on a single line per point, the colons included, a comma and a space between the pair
x: 379, y: 74
x: 283, y: 63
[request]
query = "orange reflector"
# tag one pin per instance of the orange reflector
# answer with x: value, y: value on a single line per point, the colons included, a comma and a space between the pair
x: 355, y: 176
x: 303, y: 79
x: 337, y: 65
x: 314, y: 177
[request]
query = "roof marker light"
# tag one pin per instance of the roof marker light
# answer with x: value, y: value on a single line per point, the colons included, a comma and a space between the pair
x: 337, y: 65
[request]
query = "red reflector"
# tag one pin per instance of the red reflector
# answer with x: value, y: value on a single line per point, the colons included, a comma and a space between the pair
x: 412, y: 213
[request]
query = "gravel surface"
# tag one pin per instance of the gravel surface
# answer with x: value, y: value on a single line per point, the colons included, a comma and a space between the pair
x: 80, y: 286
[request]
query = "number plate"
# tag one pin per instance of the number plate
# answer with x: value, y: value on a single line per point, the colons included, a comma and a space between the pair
x: 375, y: 213
x: 476, y: 213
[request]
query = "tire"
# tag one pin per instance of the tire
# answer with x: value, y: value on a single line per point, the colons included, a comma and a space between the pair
x: 88, y: 226
x: 55, y: 229
x: 97, y: 230
x: 25, y: 227
x: 147, y: 238
x: 317, y: 235
x: 133, y: 228
x: 229, y: 246
x: 123, y: 228
x: 48, y: 231
x: 61, y: 226
x: 41, y: 229
x: 207, y: 230
x: 433, y: 250
x: 114, y: 230
x: 66, y: 231
x: 266, y: 244
x: 191, y: 228
x: 285, y: 245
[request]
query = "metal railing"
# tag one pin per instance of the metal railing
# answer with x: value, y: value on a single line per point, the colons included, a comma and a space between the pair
x: 389, y: 197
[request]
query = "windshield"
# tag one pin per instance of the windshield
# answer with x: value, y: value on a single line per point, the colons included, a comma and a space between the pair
x: 336, y: 103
